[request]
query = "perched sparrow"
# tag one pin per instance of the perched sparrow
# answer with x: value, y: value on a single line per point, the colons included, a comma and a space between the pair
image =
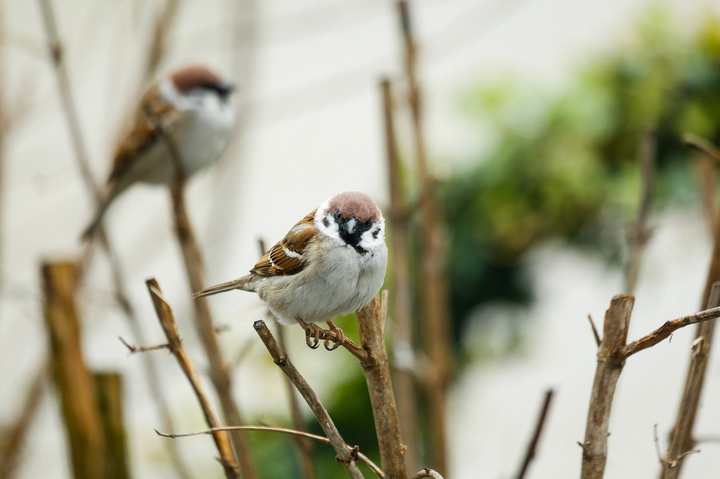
x: 332, y: 262
x: 191, y: 107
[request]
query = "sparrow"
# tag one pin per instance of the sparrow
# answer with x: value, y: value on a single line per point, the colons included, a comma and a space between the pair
x: 331, y: 262
x: 192, y: 107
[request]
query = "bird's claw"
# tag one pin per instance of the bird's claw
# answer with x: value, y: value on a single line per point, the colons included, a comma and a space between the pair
x: 313, y: 336
x: 338, y: 338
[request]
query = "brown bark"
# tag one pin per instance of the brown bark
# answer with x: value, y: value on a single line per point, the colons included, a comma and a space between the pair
x: 610, y: 362
x: 371, y: 328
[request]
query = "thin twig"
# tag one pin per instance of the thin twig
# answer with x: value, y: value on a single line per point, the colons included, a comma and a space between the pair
x: 141, y: 349
x: 596, y: 335
x: 14, y: 437
x: 167, y: 322
x: 282, y: 430
x: 639, y: 233
x: 344, y: 453
x: 656, y: 439
x: 532, y: 447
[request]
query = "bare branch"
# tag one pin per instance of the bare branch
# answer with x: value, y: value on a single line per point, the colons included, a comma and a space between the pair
x: 14, y: 437
x: 282, y: 430
x: 532, y: 447
x: 141, y: 349
x: 664, y: 331
x: 343, y: 451
x: 639, y: 233
x: 167, y: 322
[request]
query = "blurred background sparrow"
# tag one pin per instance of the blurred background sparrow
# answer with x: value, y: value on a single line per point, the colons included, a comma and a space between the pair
x: 191, y: 106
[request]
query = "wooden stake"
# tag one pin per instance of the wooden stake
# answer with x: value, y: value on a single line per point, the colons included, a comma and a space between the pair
x: 73, y: 381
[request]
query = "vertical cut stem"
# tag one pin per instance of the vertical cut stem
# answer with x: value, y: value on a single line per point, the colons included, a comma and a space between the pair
x: 371, y: 328
x: 639, y: 233
x: 400, y: 286
x: 434, y: 301
x: 610, y: 362
x: 109, y: 391
x: 681, y: 438
x: 73, y: 381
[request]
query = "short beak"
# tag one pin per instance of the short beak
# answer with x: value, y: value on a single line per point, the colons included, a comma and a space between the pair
x: 225, y: 89
x: 350, y: 225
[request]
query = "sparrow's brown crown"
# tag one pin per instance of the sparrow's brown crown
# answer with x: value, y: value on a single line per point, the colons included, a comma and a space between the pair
x: 354, y: 204
x: 195, y: 76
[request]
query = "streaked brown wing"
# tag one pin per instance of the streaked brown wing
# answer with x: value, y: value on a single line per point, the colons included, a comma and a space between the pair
x: 145, y: 132
x: 288, y: 256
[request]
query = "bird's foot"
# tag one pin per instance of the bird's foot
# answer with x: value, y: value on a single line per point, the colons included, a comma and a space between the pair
x: 313, y: 333
x: 337, y: 336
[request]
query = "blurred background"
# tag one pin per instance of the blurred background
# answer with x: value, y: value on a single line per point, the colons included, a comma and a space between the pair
x: 534, y: 111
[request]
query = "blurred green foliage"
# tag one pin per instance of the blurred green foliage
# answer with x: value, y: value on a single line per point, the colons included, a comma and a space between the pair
x: 565, y: 165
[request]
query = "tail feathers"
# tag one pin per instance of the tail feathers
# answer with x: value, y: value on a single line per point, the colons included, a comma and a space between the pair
x: 241, y: 283
x: 108, y: 196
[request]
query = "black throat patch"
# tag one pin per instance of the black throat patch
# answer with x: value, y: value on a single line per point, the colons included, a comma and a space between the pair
x: 352, y: 239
